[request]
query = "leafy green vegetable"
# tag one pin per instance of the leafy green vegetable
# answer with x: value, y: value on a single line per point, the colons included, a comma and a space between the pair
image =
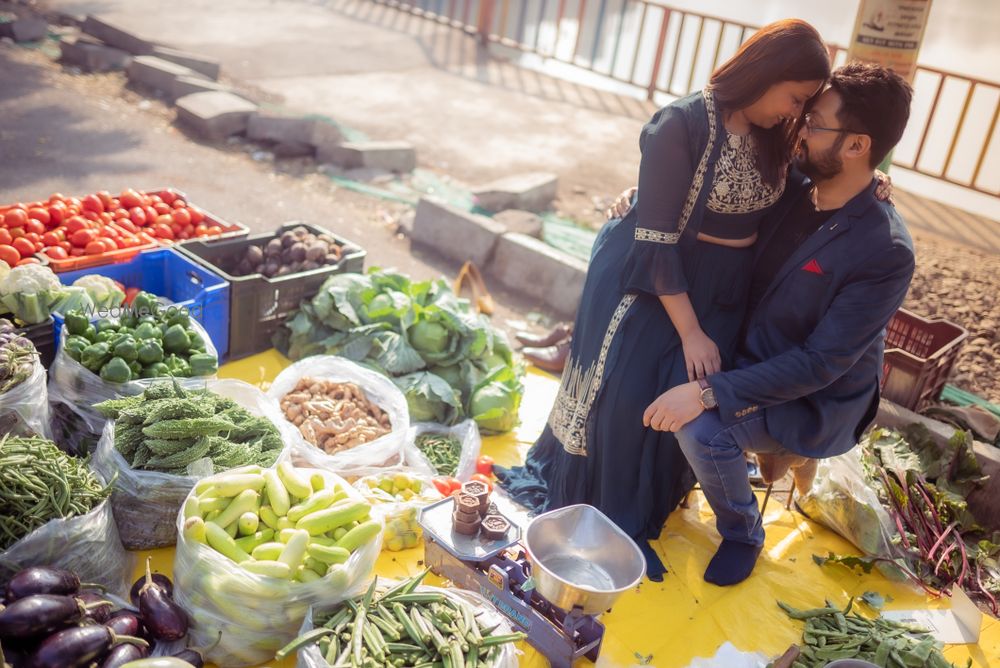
x: 448, y: 360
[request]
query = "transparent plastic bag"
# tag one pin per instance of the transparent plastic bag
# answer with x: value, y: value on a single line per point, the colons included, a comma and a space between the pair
x: 249, y: 617
x: 843, y: 500
x: 466, y: 432
x: 310, y: 657
x: 402, y: 530
x: 386, y: 450
x: 87, y: 545
x: 24, y: 409
x: 146, y: 503
x: 74, y: 389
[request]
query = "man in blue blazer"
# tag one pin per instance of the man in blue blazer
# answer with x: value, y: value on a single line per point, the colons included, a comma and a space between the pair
x: 833, y: 266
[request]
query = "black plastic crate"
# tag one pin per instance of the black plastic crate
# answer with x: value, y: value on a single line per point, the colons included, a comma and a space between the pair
x: 258, y: 305
x: 43, y: 335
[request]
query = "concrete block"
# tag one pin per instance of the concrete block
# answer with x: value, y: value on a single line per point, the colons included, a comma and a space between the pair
x: 531, y: 192
x: 325, y: 133
x: 270, y: 126
x: 538, y: 270
x: 25, y: 30
x: 157, y: 73
x: 396, y: 156
x: 291, y: 149
x: 186, y: 85
x: 214, y: 115
x: 92, y: 56
x: 522, y: 222
x: 206, y: 66
x: 456, y: 234
x: 117, y: 37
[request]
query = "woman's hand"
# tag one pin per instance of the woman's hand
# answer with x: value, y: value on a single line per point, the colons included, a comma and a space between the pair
x: 622, y: 204
x: 883, y: 191
x: 701, y: 355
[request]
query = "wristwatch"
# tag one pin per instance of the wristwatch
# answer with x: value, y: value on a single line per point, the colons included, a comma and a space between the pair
x: 708, y: 401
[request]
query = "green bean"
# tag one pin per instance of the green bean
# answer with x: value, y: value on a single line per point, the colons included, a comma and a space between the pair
x: 443, y: 451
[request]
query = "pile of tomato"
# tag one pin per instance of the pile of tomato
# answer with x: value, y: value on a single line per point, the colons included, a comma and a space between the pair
x: 65, y: 227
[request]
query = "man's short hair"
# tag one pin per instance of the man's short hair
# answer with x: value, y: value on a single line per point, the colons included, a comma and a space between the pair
x: 874, y: 101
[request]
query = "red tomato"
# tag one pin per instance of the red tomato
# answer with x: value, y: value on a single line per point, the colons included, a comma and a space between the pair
x: 162, y: 231
x: 154, y: 200
x: 178, y: 203
x: 72, y: 202
x: 75, y: 224
x: 91, y: 215
x: 9, y: 255
x: 83, y: 237
x: 127, y: 224
x: 442, y: 486
x: 66, y: 245
x: 57, y: 214
x: 40, y: 214
x: 197, y: 215
x: 137, y: 215
x: 130, y: 295
x: 34, y: 227
x: 454, y: 484
x: 24, y: 246
x: 15, y: 218
x: 168, y: 196
x: 56, y: 197
x: 182, y: 217
x: 162, y: 208
x: 106, y: 200
x: 27, y: 260
x: 33, y: 237
x: 483, y: 479
x: 121, y: 214
x: 92, y: 203
x: 17, y: 232
x: 50, y: 239
x: 167, y: 220
x: 130, y: 199
x: 75, y: 252
x: 119, y: 242
x: 151, y: 214
x: 57, y: 253
x: 107, y: 217
x: 484, y: 465
x: 5, y: 237
x: 95, y: 247
x: 201, y: 231
x: 185, y: 233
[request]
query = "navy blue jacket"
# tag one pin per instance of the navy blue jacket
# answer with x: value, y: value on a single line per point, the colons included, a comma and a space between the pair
x: 812, y: 358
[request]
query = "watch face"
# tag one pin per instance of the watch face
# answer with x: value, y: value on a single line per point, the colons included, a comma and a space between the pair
x: 708, y: 398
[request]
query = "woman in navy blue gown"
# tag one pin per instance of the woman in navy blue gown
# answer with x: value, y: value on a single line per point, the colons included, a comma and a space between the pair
x: 666, y: 288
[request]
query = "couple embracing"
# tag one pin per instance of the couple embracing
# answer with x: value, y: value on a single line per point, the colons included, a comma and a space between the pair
x: 738, y: 302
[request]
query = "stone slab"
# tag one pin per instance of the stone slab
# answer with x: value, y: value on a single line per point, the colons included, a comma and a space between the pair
x: 157, y: 73
x: 92, y: 56
x: 116, y: 36
x: 396, y: 156
x: 186, y: 85
x: 533, y: 191
x: 534, y: 268
x: 454, y: 233
x: 201, y: 64
x: 25, y: 30
x: 214, y: 115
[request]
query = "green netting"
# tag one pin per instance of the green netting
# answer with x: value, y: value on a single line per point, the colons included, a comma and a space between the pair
x: 954, y: 395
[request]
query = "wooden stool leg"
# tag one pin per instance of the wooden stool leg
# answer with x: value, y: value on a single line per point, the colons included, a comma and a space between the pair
x: 788, y: 503
x: 767, y: 495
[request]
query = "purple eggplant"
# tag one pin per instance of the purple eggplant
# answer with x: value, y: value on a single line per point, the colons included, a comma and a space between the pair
x: 78, y: 647
x: 41, y: 580
x: 126, y: 622
x: 161, y: 615
x: 158, y: 578
x: 123, y: 654
x: 191, y: 656
x: 98, y: 608
x: 38, y: 616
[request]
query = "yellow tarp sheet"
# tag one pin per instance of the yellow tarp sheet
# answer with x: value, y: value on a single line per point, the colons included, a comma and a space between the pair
x: 667, y: 624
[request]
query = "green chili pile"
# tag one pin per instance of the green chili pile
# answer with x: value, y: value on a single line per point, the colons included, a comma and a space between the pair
x: 831, y: 633
x: 39, y: 482
x: 443, y: 451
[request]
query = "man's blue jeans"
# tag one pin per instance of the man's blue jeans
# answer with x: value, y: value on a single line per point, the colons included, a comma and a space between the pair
x: 716, y: 454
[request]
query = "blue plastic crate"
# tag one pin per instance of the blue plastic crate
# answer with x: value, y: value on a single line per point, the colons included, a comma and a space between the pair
x: 166, y: 273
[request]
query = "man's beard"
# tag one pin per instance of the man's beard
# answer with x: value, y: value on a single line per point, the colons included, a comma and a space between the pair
x: 822, y: 166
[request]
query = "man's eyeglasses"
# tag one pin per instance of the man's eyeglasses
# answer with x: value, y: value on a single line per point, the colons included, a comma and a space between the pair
x: 811, y: 127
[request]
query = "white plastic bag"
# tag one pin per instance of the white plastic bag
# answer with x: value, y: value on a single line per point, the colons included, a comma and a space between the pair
x: 249, y: 617
x: 146, y: 503
x: 74, y: 389
x: 402, y: 530
x: 728, y: 656
x: 310, y: 657
x: 842, y: 499
x: 466, y: 432
x: 386, y: 450
x: 24, y: 409
x: 87, y: 545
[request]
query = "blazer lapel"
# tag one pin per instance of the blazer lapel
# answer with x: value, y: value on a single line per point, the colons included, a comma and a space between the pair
x: 833, y: 228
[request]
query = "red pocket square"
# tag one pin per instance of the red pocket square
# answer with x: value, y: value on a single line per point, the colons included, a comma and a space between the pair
x: 813, y: 266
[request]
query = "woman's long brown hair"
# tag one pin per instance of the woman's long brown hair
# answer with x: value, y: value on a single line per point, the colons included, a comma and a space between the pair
x: 788, y: 50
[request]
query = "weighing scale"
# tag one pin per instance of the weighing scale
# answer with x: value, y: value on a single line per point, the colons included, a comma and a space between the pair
x: 500, y: 571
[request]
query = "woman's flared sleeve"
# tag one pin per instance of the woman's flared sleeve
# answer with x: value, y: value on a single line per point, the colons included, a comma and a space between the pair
x: 665, y: 175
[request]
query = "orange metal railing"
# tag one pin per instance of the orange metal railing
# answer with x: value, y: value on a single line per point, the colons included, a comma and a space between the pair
x: 686, y: 46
